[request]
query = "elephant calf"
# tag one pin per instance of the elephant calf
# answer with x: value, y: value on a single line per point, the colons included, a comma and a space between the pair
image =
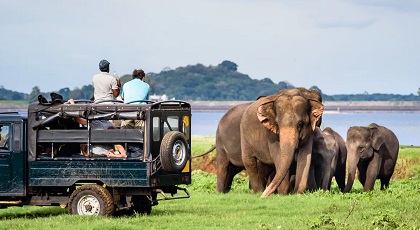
x: 329, y: 156
x: 374, y: 151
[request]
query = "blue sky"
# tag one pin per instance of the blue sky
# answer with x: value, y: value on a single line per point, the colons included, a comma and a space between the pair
x: 341, y: 46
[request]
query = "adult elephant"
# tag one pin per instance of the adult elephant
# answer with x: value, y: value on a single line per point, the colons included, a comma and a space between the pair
x: 228, y: 145
x: 275, y: 130
x: 329, y: 158
x: 228, y: 150
x: 374, y: 150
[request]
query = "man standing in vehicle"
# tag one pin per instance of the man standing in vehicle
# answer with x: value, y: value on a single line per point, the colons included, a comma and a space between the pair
x: 106, y: 87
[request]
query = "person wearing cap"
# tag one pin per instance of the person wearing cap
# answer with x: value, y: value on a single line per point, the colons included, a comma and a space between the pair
x: 106, y: 87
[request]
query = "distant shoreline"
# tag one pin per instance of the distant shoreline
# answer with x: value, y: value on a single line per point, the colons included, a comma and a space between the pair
x: 330, y: 106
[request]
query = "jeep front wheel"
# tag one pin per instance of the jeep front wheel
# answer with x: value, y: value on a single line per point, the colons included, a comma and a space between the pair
x: 91, y: 199
x: 174, y: 152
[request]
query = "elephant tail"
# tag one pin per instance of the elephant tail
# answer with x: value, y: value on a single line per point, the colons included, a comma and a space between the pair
x: 206, y: 152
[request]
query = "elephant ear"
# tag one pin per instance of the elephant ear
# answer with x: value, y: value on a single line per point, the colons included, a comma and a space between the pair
x: 267, y: 115
x: 377, y: 139
x: 317, y: 109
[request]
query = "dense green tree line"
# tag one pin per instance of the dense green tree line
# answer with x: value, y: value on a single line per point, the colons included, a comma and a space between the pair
x: 6, y: 94
x: 198, y: 82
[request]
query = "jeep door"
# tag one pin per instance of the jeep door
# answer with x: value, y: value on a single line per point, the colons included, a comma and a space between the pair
x: 12, y: 160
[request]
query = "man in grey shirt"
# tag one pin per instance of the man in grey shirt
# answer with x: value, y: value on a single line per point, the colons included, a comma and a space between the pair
x: 106, y: 87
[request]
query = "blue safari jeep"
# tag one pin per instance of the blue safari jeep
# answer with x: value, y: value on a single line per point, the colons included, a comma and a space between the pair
x: 47, y: 158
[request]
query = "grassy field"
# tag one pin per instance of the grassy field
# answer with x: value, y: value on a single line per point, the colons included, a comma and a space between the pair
x: 395, y: 208
x: 7, y: 102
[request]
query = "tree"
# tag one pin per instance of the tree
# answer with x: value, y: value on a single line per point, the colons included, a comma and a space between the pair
x: 33, y: 96
x: 418, y: 92
x: 316, y: 88
x: 76, y: 94
x: 285, y: 85
x: 229, y: 65
x: 267, y: 80
x: 64, y: 92
x: 87, y: 91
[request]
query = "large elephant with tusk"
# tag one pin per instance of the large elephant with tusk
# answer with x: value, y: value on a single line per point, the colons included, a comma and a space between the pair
x: 278, y: 130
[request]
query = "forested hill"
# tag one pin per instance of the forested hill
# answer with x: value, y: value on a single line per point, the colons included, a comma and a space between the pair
x: 224, y: 83
x: 206, y: 83
x: 215, y: 83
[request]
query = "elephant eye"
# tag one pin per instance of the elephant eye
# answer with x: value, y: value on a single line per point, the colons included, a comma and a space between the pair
x: 300, y: 124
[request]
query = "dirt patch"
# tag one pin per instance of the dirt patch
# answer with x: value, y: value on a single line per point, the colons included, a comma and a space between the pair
x: 205, y: 163
x: 405, y: 168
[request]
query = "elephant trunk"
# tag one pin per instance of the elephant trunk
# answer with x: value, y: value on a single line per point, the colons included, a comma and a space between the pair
x: 351, y: 173
x: 288, y: 145
x: 326, y: 178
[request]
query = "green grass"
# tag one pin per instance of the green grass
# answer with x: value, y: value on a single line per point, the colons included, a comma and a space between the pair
x: 20, y: 102
x: 395, y: 208
x: 201, y: 143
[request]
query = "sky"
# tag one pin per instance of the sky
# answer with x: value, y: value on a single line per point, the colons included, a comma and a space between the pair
x: 340, y: 46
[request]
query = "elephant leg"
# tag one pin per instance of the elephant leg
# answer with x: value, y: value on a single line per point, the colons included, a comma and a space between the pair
x: 231, y: 173
x: 265, y: 172
x: 362, y: 167
x: 251, y: 167
x: 385, y: 182
x: 222, y: 171
x: 314, y: 174
x: 292, y: 183
x: 303, y: 165
x: 372, y: 172
x: 284, y: 186
x: 340, y: 176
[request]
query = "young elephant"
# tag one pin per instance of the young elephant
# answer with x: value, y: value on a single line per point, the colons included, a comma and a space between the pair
x: 374, y: 150
x: 329, y: 155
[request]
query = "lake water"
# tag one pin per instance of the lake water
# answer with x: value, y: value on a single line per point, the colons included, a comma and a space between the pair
x: 405, y: 125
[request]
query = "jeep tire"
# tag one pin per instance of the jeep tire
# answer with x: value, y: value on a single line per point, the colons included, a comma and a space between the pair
x: 173, y: 152
x: 91, y: 199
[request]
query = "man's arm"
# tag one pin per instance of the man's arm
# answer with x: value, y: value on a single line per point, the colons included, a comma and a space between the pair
x: 116, y: 91
x: 79, y: 120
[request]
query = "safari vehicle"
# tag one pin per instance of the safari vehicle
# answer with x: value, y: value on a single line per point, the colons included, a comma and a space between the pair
x: 41, y: 161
